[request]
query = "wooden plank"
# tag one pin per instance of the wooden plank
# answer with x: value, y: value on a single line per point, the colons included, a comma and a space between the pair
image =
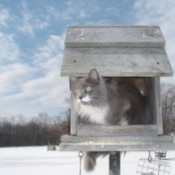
x: 98, y: 144
x: 113, y: 62
x: 157, y: 105
x: 74, y: 119
x: 130, y: 130
x: 114, y: 139
x: 76, y: 143
x: 127, y: 146
x: 114, y: 36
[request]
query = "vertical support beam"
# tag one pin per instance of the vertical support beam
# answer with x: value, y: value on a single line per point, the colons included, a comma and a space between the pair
x: 158, y: 106
x: 114, y: 163
x: 73, y: 118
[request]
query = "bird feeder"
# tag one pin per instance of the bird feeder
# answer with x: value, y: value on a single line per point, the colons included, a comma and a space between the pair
x: 133, y: 52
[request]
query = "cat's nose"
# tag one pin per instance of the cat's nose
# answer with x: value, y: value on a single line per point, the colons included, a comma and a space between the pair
x: 80, y: 97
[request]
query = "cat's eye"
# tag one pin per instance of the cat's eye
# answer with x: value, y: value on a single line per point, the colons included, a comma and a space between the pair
x: 77, y: 91
x: 88, y: 88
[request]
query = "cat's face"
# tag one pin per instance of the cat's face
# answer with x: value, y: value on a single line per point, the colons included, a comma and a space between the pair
x: 90, y: 90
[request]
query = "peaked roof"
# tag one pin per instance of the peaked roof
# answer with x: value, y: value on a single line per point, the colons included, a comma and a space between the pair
x: 115, y: 51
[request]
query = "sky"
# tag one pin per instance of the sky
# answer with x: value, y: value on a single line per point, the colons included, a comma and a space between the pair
x: 32, y: 34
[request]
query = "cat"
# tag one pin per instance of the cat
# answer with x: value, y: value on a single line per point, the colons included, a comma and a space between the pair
x: 106, y: 101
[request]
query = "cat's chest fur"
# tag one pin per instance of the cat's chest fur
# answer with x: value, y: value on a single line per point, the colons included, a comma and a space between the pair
x: 95, y: 114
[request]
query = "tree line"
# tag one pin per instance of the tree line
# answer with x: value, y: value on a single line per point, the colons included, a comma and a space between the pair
x: 168, y: 107
x: 44, y: 129
x: 40, y: 130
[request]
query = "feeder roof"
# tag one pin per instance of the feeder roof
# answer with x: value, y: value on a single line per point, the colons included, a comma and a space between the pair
x: 115, y: 51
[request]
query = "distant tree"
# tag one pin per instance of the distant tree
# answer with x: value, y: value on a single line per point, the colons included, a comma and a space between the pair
x: 168, y: 102
x: 40, y: 130
x: 65, y: 126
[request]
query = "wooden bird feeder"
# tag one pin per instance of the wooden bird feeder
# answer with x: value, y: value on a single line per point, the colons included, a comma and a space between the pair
x: 133, y: 52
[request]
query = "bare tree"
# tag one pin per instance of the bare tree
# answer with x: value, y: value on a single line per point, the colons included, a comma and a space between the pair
x: 168, y: 107
x: 40, y: 130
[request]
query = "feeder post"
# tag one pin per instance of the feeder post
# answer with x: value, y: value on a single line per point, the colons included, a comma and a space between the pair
x: 114, y: 163
x: 74, y: 119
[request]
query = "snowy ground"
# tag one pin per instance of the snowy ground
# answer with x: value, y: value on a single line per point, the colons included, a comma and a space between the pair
x: 39, y: 161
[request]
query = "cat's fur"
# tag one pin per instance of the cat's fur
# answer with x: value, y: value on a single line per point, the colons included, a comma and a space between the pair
x: 112, y: 101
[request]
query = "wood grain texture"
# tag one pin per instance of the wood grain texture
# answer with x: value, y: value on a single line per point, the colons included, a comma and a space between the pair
x: 157, y: 105
x: 130, y: 130
x: 122, y: 144
x: 114, y: 36
x: 73, y: 119
x: 113, y: 62
x: 105, y: 139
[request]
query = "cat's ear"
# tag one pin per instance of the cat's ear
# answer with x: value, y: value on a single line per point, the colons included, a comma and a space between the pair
x: 93, y: 76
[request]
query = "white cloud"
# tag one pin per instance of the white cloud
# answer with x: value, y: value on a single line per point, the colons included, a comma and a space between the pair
x: 59, y: 14
x: 37, y: 84
x: 4, y: 16
x: 11, y: 77
x: 8, y: 48
x: 72, y: 11
x: 82, y: 14
x: 48, y: 56
x: 47, y: 89
x: 27, y: 22
x: 56, y: 93
x: 30, y: 21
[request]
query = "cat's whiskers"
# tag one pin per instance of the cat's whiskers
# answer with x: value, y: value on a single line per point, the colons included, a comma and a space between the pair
x: 86, y: 99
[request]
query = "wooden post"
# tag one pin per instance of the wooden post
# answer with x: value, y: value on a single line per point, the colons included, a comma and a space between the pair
x: 114, y: 163
x: 74, y: 120
x: 157, y: 103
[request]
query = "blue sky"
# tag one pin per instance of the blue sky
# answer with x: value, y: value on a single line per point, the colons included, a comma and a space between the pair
x: 32, y: 44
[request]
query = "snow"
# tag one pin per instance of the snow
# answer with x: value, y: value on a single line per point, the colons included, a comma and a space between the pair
x: 39, y: 161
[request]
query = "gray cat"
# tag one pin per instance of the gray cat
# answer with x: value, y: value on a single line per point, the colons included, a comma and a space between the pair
x: 111, y: 101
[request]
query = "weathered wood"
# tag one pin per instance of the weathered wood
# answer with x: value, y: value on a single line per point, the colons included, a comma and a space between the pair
x: 116, y: 147
x: 113, y: 62
x: 81, y: 139
x: 114, y: 36
x: 74, y: 119
x: 120, y: 145
x: 129, y: 130
x: 157, y: 105
x: 115, y: 51
x: 114, y: 163
x: 118, y: 51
